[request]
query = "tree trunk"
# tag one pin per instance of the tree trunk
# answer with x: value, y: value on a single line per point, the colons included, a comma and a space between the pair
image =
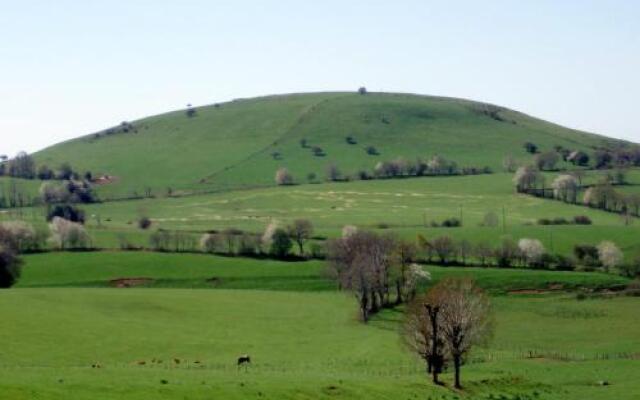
x: 456, y: 365
x: 398, y: 292
x: 364, y: 305
x: 301, y: 246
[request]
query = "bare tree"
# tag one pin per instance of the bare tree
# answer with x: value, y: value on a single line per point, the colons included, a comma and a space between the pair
x: 465, y: 312
x: 420, y: 334
x: 444, y: 247
x: 300, y: 231
x: 361, y: 264
x: 333, y: 173
x: 547, y: 160
x: 509, y: 163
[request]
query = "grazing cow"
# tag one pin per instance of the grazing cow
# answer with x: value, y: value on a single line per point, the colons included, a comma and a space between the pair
x: 244, y: 360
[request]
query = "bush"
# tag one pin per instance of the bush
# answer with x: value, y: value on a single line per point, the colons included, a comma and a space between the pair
x: 144, y: 223
x: 564, y: 263
x: 451, y: 223
x: 9, y: 268
x: 351, y: 140
x: 317, y: 250
x: 372, y: 151
x: 66, y: 211
x: 587, y: 254
x: 318, y: 152
x: 283, y: 177
x: 280, y: 243
x: 582, y: 220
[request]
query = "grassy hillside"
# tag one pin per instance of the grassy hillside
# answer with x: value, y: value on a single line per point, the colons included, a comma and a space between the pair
x: 232, y: 145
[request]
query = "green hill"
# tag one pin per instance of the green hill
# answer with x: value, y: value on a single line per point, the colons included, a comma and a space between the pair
x: 242, y: 143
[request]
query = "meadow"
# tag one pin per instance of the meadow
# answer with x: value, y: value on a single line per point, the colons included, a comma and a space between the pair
x: 406, y: 207
x: 180, y: 343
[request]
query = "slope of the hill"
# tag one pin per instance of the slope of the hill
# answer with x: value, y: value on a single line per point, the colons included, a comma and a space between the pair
x: 242, y: 143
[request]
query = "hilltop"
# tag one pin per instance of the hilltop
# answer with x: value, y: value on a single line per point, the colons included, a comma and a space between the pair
x: 242, y: 143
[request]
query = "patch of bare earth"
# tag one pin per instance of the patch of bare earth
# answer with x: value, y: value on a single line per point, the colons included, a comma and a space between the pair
x: 129, y: 282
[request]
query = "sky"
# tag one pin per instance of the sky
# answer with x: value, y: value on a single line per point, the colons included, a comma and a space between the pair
x: 70, y: 68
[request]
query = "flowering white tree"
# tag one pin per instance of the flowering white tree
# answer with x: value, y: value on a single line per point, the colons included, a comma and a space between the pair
x: 609, y: 254
x: 18, y: 235
x: 283, y: 177
x: 531, y: 249
x: 209, y: 242
x: 415, y: 275
x: 527, y: 177
x: 68, y: 235
x: 349, y: 230
x: 565, y: 188
x: 267, y: 236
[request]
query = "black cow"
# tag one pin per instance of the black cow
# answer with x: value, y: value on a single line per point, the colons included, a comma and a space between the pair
x: 244, y: 360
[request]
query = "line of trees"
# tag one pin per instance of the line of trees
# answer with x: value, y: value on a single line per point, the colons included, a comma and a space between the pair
x: 398, y: 168
x: 600, y: 158
x: 567, y: 188
x: 377, y: 269
x: 524, y: 253
x: 24, y: 166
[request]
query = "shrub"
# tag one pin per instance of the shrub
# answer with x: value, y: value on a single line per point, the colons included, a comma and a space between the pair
x: 317, y: 250
x: 311, y: 177
x: 582, y: 220
x: 530, y: 147
x: 318, y: 152
x: 280, y: 243
x: 372, y: 151
x: 587, y: 254
x: 564, y: 263
x: 66, y: 211
x: 451, y: 223
x: 351, y: 140
x: 9, y: 268
x: 283, y: 177
x: 364, y: 175
x: 144, y: 223
x: 362, y: 90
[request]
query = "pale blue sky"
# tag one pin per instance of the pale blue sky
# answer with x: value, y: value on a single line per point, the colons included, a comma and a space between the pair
x: 68, y: 68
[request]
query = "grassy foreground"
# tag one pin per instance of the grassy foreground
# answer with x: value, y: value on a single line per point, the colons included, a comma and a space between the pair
x: 304, y: 345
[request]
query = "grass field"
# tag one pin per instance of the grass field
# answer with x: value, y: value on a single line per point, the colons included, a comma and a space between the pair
x: 98, y: 269
x: 404, y: 206
x: 304, y: 345
x: 232, y: 146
